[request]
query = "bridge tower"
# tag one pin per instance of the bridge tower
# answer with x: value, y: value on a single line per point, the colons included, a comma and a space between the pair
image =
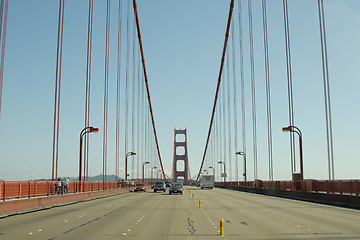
x: 180, y: 162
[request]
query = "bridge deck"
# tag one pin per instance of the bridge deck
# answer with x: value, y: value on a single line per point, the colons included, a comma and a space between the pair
x: 162, y: 216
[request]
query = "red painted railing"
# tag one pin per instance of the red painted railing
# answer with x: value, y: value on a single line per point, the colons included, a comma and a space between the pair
x: 349, y: 187
x: 10, y: 190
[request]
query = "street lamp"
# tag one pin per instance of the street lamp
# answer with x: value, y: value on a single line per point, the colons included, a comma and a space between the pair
x: 222, y: 162
x: 244, y: 155
x: 152, y: 173
x: 206, y: 171
x: 126, y: 156
x: 147, y: 162
x: 297, y: 130
x: 82, y: 133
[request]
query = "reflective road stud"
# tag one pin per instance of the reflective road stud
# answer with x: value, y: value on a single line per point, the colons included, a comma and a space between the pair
x: 221, y: 226
x: 199, y: 203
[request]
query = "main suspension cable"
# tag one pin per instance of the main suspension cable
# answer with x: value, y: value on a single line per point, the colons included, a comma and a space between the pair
x: 218, y: 84
x: 147, y: 84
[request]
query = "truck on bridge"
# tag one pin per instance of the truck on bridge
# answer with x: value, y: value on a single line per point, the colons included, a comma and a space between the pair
x: 207, y: 181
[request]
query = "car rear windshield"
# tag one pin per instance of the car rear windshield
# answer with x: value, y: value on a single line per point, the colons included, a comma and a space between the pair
x: 140, y: 185
x: 159, y: 183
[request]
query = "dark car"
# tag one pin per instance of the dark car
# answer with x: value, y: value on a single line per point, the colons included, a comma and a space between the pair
x: 159, y: 186
x: 176, y: 188
x: 140, y: 187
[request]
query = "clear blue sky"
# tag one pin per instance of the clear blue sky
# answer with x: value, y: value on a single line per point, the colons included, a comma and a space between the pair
x: 183, y: 41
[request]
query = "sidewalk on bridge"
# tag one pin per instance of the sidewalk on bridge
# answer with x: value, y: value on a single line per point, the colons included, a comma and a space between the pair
x: 10, y: 208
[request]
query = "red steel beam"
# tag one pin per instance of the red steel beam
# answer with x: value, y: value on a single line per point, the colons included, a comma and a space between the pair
x: 218, y: 84
x: 147, y: 84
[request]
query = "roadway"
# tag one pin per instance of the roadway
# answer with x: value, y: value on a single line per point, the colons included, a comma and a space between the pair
x: 162, y: 216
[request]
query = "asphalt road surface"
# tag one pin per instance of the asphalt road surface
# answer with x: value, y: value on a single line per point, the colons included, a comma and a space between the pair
x: 162, y: 216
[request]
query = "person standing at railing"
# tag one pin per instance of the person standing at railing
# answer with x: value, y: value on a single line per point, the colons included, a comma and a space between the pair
x: 66, y: 185
x: 58, y: 186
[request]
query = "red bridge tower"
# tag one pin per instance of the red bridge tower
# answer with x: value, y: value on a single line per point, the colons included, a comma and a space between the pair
x: 180, y: 170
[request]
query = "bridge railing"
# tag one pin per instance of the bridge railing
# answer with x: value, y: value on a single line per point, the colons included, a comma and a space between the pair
x: 348, y: 187
x: 10, y: 190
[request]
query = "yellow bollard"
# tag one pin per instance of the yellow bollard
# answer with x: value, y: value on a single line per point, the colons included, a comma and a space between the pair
x: 199, y: 203
x: 221, y: 226
x: 193, y: 195
x: 189, y: 192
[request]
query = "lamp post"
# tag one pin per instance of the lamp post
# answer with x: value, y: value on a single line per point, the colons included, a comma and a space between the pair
x: 147, y: 162
x: 222, y: 162
x: 126, y: 156
x: 244, y: 155
x: 206, y: 171
x: 152, y: 173
x: 82, y: 133
x: 297, y: 130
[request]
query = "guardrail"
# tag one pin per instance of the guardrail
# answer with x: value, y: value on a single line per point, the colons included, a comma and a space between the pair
x: 10, y: 190
x: 348, y: 187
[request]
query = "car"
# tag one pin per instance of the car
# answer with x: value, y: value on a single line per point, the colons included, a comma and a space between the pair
x: 159, y: 186
x: 176, y: 188
x: 140, y: 187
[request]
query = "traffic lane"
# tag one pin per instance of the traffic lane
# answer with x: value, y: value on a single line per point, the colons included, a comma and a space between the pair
x: 250, y: 216
x: 174, y: 216
x: 54, y: 222
x: 116, y: 223
x: 314, y: 218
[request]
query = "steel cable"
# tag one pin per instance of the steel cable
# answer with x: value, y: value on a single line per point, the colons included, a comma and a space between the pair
x: 87, y: 88
x: 253, y: 89
x: 4, y: 14
x: 242, y: 82
x: 218, y: 84
x: 235, y: 100
x: 268, y: 93
x: 289, y: 80
x: 58, y: 89
x: 329, y: 136
x: 127, y: 80
x: 106, y: 89
x: 117, y: 160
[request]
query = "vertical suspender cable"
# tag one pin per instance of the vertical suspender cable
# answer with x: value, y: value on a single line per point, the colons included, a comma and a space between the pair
x: 133, y: 102
x: 57, y: 90
x: 326, y: 91
x: 229, y: 109
x: 218, y: 83
x: 268, y: 93
x: 224, y: 119
x: 3, y: 40
x: 106, y: 89
x: 138, y: 114
x: 147, y: 84
x: 127, y: 80
x: 290, y: 88
x: 235, y: 101
x: 117, y: 160
x: 242, y: 78
x: 253, y: 89
x: 87, y: 88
